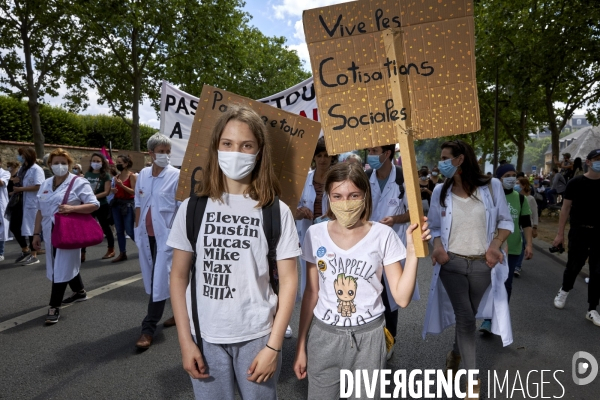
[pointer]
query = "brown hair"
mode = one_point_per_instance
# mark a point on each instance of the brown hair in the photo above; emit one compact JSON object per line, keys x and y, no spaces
{"x":60,"y":153}
{"x":264,"y":185}
{"x":103,"y":168}
{"x":525,"y":185}
{"x":125,"y":159}
{"x":354,"y":173}
{"x":29,"y":156}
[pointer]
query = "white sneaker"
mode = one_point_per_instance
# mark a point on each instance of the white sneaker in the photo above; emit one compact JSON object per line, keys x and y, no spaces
{"x":288,"y":332}
{"x":587,"y":280}
{"x":593,"y":316}
{"x":560,"y":299}
{"x":390,"y":353}
{"x":1,"y":258}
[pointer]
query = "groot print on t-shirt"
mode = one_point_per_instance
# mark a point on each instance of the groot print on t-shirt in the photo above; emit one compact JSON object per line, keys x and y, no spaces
{"x":345,"y":290}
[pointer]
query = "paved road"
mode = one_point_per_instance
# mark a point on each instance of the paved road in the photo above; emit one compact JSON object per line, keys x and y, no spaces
{"x":90,"y":353}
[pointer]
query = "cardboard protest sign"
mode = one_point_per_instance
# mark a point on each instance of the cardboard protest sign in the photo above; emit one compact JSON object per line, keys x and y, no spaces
{"x":353,"y":71}
{"x":293,"y":140}
{"x":178,"y":108}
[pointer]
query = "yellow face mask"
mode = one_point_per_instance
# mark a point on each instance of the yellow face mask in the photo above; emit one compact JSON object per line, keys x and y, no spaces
{"x":347,"y":212}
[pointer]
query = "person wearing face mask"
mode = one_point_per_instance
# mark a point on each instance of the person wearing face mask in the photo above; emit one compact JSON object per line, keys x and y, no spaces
{"x":469,"y":220}
{"x":526,"y":191}
{"x":77,"y":170}
{"x":242,"y":324}
{"x":581,"y":206}
{"x":426,"y":186}
{"x":62,"y":266}
{"x":99,"y":179}
{"x":122,"y":205}
{"x":343,"y":307}
{"x":313,"y":202}
{"x":521,"y":216}
{"x":27,"y":182}
{"x":435,"y":176}
{"x":4,"y":223}
{"x":389,"y":208}
{"x":155,"y":208}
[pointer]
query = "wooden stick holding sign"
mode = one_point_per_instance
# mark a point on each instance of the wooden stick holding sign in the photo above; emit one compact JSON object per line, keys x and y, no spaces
{"x":394,"y":49}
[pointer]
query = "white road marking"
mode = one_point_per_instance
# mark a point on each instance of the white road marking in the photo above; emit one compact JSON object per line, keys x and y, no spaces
{"x":30,"y":316}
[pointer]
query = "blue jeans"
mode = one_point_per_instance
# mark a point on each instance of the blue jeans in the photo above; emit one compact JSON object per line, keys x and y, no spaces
{"x":512,"y":263}
{"x":123,"y":223}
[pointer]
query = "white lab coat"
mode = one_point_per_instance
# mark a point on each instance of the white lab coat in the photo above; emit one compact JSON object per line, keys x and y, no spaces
{"x":157,"y":193}
{"x":5,"y":178}
{"x":307,"y":200}
{"x":64,"y":266}
{"x":387,"y":203}
{"x":33,"y":176}
{"x":494,"y":304}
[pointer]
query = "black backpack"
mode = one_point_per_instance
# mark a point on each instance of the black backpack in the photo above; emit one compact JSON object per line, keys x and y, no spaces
{"x":399,"y":179}
{"x":271,"y":227}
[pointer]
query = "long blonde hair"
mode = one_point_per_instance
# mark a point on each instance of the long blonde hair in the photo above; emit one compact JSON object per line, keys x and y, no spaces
{"x":264,"y":185}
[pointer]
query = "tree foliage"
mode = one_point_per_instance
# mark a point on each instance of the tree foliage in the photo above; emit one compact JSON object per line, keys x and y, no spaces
{"x":548,"y":57}
{"x":32,"y":54}
{"x":133,"y":45}
{"x":65,"y":128}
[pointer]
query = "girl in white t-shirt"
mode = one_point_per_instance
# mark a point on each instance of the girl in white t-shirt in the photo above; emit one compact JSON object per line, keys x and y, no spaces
{"x":345,"y":260}
{"x":242,"y":321}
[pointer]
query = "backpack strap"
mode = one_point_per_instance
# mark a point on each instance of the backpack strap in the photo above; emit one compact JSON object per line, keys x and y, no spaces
{"x":521,"y":200}
{"x":399,"y":179}
{"x":272,"y":228}
{"x":195,"y":212}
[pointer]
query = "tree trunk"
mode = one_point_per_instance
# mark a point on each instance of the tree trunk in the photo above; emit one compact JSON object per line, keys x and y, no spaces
{"x":36,"y":125}
{"x":32,"y":92}
{"x":521,"y":140}
{"x":553,"y":127}
{"x":135,"y":116}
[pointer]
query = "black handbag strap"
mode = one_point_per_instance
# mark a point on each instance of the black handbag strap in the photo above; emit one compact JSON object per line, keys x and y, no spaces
{"x":195,"y":212}
{"x":66,"y":198}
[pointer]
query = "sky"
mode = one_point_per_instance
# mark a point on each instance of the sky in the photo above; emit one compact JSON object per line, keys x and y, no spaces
{"x":271,"y":17}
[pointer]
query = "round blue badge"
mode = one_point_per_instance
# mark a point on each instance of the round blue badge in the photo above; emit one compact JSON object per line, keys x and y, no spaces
{"x":321,"y":251}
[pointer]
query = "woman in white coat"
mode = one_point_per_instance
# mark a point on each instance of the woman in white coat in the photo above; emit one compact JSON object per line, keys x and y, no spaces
{"x":4,"y":180}
{"x":155,"y":208}
{"x":314,"y":202}
{"x":27,"y":182}
{"x":62,"y":266}
{"x":465,"y":212}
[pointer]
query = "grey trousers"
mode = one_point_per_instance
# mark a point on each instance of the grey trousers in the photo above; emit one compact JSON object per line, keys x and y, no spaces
{"x":466,"y":282}
{"x":332,"y":348}
{"x":227,"y":365}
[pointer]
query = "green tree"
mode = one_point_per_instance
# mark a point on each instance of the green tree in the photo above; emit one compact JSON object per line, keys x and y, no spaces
{"x":503,"y":59}
{"x":133,"y":45}
{"x":32,"y":57}
{"x":552,"y":49}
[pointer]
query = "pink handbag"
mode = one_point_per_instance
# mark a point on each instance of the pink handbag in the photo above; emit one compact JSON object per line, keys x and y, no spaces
{"x":74,"y":231}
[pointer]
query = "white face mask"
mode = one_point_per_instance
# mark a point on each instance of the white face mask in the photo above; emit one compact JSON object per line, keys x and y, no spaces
{"x":60,"y":169}
{"x":96,"y":165}
{"x":236,"y":165}
{"x":162,"y":160}
{"x":509,"y":182}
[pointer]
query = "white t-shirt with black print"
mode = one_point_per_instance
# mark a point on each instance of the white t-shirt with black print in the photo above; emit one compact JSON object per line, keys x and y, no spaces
{"x":235,"y":300}
{"x":350,"y":280}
